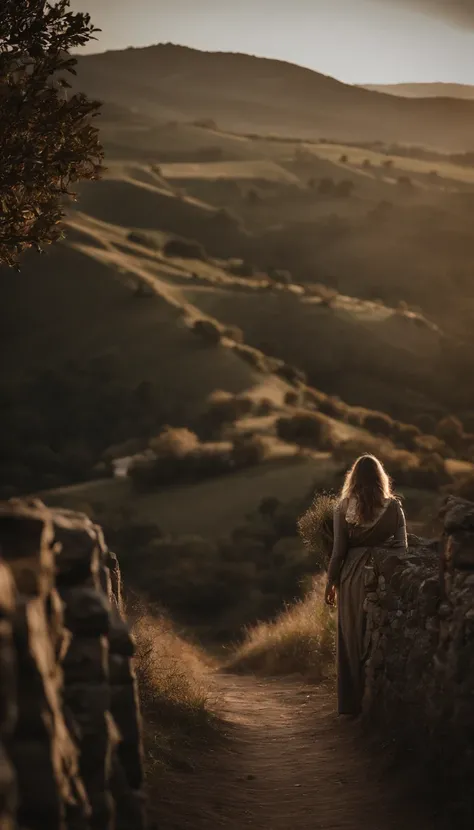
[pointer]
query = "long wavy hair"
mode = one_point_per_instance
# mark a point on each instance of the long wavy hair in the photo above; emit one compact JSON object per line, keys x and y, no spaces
{"x":369,"y":486}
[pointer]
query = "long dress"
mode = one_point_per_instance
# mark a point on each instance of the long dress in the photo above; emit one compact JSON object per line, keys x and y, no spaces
{"x":352,"y":552}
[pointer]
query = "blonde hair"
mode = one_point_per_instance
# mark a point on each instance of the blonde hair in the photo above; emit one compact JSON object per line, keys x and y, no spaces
{"x":368,"y":485}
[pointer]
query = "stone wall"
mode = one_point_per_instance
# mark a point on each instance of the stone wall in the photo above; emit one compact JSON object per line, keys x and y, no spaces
{"x":70,"y":743}
{"x":420,"y":666}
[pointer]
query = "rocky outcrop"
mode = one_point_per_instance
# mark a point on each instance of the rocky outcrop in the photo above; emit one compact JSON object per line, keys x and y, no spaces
{"x":70,"y":752}
{"x":420,"y":647}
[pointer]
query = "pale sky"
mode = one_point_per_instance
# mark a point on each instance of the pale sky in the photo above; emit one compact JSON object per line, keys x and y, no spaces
{"x":357,"y":41}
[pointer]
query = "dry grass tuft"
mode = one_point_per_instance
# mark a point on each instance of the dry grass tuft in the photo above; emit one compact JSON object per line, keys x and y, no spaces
{"x":316,"y":529}
{"x":301,"y":640}
{"x":176,"y":694}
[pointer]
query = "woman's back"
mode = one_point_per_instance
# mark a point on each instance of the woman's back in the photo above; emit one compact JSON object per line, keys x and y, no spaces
{"x":387,"y":522}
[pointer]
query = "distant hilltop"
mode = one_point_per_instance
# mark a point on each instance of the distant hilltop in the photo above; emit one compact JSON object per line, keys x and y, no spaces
{"x":433,"y":90}
{"x":243,"y":93}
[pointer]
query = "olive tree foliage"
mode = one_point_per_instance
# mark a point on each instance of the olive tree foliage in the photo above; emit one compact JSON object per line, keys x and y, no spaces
{"x":47,"y":137}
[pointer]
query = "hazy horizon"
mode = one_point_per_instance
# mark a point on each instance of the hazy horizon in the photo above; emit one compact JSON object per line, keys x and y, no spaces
{"x":356,"y":41}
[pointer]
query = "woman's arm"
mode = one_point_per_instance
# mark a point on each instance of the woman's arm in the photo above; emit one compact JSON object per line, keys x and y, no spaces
{"x":339,"y":549}
{"x":400,"y":535}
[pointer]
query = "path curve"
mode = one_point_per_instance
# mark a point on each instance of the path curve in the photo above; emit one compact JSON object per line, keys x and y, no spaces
{"x":291,"y":764}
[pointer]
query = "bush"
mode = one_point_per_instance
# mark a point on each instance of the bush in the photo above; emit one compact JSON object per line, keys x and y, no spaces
{"x":208,"y":331}
{"x":225,"y":408}
{"x":234,"y":333}
{"x":300,"y":641}
{"x":451,"y":431}
{"x":292,"y":398}
{"x":316,"y":528}
{"x":184,"y":249}
{"x":426,"y":423}
{"x":388,"y":164}
{"x":326,"y":187}
{"x":378,"y":423}
{"x":405,"y":181}
{"x":281,"y":277}
{"x":175,"y":442}
{"x":345,"y":188}
{"x":344,"y":159}
{"x":253,"y":357}
{"x":205,"y":123}
{"x":406,"y":435}
{"x":241,"y":268}
{"x":291,"y":374}
{"x":248,"y":451}
{"x":307,"y":429}
{"x":146,"y":240}
{"x":367,"y":164}
{"x":429,"y":444}
{"x":179,"y":458}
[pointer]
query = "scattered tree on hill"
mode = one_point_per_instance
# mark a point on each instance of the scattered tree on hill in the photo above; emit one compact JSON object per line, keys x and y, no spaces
{"x":326,"y":187}
{"x":367,"y":164}
{"x":344,"y":159}
{"x":388,"y":164}
{"x":345,"y":188}
{"x":47,"y":141}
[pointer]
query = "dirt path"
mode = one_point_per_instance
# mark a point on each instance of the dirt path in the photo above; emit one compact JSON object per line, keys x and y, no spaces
{"x":291,"y":764}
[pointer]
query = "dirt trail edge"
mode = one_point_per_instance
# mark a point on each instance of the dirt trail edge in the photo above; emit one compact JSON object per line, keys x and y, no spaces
{"x":293,"y":765}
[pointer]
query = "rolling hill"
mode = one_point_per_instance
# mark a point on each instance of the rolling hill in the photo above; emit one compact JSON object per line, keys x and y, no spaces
{"x":433,"y":90}
{"x":243,"y":93}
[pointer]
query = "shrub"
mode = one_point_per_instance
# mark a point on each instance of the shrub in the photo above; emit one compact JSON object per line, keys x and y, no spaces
{"x":225,"y":408}
{"x":451,"y":430}
{"x":366,"y":164}
{"x":406,"y":435}
{"x":345,"y":188}
{"x":46,"y":143}
{"x":241,"y":268}
{"x":184,"y":249}
{"x":332,"y":406}
{"x":205,"y":123}
{"x":300,"y":641}
{"x":146,"y":240}
{"x":426,"y":423}
{"x":291,"y":374}
{"x":264,"y":407}
{"x":307,"y":429}
{"x":344,"y":159}
{"x":378,"y":423}
{"x":252,"y":356}
{"x":248,"y":451}
{"x":316,"y":528}
{"x":326,"y":187}
{"x":281,"y":277}
{"x":405,"y":181}
{"x":388,"y":164}
{"x":429,"y":444}
{"x":292,"y":398}
{"x":208,"y":331}
{"x":176,"y":442}
{"x":234,"y":333}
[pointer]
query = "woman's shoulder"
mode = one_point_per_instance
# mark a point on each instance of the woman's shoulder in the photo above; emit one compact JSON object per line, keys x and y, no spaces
{"x":396,"y":501}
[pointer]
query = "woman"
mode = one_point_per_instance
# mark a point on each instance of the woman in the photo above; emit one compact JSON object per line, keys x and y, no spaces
{"x":366,"y":516}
